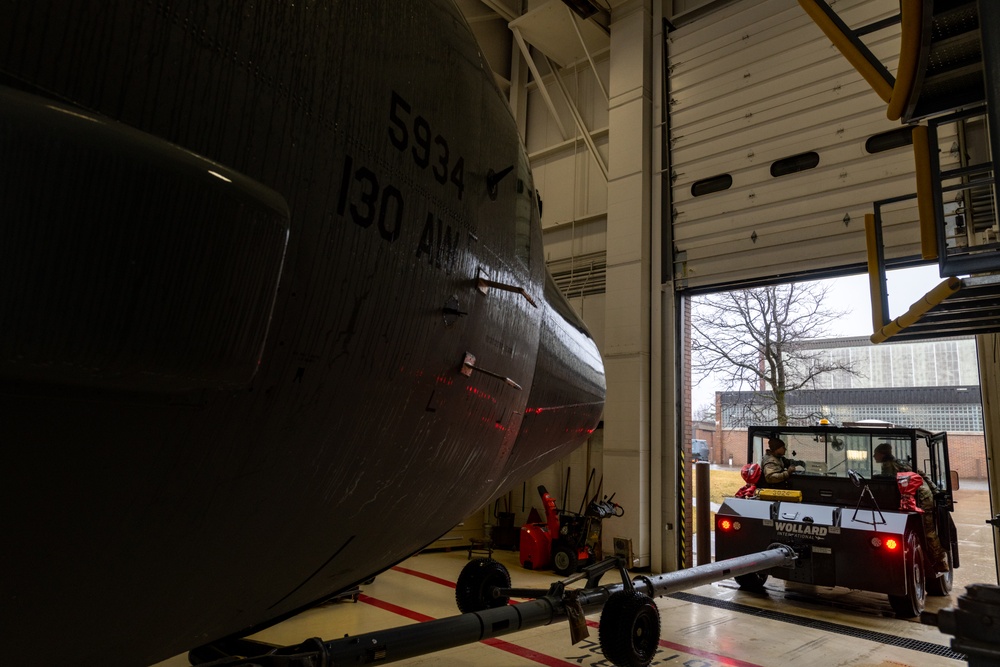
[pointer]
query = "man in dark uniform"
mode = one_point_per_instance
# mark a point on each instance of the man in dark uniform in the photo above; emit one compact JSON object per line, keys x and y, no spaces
{"x":776,"y":467}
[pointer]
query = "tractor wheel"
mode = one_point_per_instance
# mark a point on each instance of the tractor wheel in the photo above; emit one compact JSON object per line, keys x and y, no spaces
{"x":564,"y":560}
{"x":630,"y":629}
{"x":475,"y":590}
{"x":912,"y":603}
{"x":752,"y":582}
{"x":940,"y":583}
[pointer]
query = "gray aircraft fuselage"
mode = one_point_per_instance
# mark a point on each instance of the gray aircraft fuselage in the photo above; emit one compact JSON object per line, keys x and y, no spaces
{"x":274,"y":312}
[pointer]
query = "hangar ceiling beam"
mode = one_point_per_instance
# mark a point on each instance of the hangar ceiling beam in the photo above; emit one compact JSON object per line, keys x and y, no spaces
{"x":526,"y":52}
{"x":580,"y":124}
{"x":590,"y":57}
{"x":500,"y":9}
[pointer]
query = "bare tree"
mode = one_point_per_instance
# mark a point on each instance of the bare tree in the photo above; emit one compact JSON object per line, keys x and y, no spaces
{"x":704,"y":413}
{"x":752,"y":338}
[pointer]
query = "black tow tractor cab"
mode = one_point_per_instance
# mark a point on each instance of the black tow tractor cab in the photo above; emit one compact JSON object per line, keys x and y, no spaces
{"x":844,"y":514}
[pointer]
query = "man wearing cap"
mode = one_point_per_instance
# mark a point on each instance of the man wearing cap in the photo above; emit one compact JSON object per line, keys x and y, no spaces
{"x":776,"y":466}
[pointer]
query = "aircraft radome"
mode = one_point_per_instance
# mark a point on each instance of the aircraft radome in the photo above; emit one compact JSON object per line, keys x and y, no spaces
{"x":275,"y":312}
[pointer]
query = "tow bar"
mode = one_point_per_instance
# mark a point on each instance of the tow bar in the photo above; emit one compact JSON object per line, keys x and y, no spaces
{"x":629,"y":628}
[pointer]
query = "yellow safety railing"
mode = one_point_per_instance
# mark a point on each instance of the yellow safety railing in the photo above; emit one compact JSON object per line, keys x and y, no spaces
{"x":894,"y":92}
{"x":911,"y":29}
{"x":877,"y":288}
{"x":925,"y":193}
{"x":874,"y":272}
{"x":944,"y":289}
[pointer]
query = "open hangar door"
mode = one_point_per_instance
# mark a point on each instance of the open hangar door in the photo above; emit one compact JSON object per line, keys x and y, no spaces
{"x":769,"y":174}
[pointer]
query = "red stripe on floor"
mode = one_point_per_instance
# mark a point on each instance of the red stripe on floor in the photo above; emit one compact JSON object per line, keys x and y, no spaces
{"x":514,"y":649}
{"x":428,"y":577}
{"x":540,"y":658}
{"x":396,"y":609}
{"x":527,"y":653}
{"x":725,"y":660}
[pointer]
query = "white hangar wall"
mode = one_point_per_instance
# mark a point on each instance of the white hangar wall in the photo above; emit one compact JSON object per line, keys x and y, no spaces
{"x":573,"y":188}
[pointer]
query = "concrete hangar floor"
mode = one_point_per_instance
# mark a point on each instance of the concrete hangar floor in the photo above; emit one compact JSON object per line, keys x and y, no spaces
{"x":713,"y":624}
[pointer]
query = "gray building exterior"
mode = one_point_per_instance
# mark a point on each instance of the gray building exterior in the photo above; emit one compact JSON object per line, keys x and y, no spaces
{"x":931,"y":384}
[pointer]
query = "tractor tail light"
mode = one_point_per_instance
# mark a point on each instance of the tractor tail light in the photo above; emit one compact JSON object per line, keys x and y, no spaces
{"x":889,"y":543}
{"x":726,"y":524}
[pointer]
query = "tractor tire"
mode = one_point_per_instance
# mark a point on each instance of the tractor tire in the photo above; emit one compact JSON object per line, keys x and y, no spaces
{"x":752,"y":582}
{"x":940,"y":583}
{"x":630,"y":629}
{"x":477,"y":583}
{"x":912,"y":602}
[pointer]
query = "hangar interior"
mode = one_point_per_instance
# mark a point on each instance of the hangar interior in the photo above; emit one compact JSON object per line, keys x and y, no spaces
{"x":682,"y":147}
{"x":654,"y":130}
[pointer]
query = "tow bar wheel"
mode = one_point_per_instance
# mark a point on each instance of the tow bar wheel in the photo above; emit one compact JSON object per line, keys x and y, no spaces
{"x":630,"y":629}
{"x":475,"y":588}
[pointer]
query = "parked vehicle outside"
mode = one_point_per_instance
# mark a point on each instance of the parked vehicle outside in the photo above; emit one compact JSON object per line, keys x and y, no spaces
{"x":699,"y":450}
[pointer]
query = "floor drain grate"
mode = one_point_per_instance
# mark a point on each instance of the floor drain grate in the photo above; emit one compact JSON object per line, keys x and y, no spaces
{"x":825,"y":626}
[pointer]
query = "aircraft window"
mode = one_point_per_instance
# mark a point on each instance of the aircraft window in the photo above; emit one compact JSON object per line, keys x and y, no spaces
{"x":886,"y":141}
{"x":795,"y":163}
{"x":707,"y":186}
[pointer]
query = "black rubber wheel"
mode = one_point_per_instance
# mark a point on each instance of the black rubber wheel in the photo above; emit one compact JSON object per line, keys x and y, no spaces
{"x":630,"y":629}
{"x":476,"y":584}
{"x":912,"y":603}
{"x":564,"y":560}
{"x":940,"y":584}
{"x":752,"y":582}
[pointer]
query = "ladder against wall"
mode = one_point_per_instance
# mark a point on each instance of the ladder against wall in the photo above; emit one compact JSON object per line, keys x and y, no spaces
{"x":947,"y":84}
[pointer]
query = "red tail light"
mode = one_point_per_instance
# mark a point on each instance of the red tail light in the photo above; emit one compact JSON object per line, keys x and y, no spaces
{"x":890,"y":543}
{"x":727,"y":524}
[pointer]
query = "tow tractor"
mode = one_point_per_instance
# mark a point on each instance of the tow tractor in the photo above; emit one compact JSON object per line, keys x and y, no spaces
{"x":848,"y":522}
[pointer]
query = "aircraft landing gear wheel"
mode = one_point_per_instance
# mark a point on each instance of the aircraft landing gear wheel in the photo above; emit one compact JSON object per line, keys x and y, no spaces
{"x":912,"y":603}
{"x":752,"y":582}
{"x":630,"y":629}
{"x":564,"y":561}
{"x":474,"y":590}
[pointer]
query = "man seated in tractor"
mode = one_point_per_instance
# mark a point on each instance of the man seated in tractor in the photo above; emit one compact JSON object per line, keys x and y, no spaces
{"x":777,"y":468}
